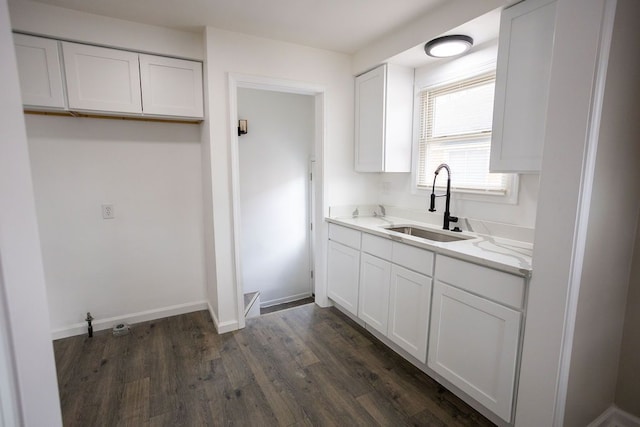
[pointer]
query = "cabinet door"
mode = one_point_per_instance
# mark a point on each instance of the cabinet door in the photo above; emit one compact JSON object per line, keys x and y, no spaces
{"x":373,"y":307}
{"x":370,"y":120}
{"x":343,"y":265}
{"x":474,"y":344}
{"x":409,"y":304}
{"x":40,"y":72}
{"x":102,"y":79}
{"x":522,"y":86}
{"x":171,"y":87}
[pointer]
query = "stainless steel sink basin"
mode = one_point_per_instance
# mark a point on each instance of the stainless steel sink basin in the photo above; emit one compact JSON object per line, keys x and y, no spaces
{"x":423,"y":233}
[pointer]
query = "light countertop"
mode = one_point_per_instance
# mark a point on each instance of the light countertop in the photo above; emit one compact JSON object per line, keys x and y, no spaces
{"x":501,"y":254}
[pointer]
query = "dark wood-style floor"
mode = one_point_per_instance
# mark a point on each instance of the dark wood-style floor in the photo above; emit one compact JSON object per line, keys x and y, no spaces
{"x":302,"y":366}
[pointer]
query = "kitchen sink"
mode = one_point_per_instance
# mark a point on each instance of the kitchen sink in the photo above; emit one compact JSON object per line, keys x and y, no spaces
{"x":423,"y":233}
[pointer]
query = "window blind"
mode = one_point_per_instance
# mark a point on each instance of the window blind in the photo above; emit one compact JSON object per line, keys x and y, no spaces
{"x":455,"y":128}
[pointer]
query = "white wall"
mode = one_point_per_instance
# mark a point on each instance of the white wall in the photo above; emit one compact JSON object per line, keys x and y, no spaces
{"x":274,"y":194}
{"x":228,"y":52}
{"x":449,"y":14}
{"x":149,"y":261}
{"x":398,"y":189}
{"x":150,"y":256}
{"x":628,"y":385}
{"x":30,"y":393}
{"x":557,"y":241}
{"x":57,"y":22}
{"x":615,"y":199}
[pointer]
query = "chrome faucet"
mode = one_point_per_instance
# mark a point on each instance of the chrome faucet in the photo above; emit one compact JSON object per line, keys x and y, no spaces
{"x":432,"y":207}
{"x":383,"y":212}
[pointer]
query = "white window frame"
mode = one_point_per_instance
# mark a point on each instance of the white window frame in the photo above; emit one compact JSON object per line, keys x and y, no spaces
{"x":513,"y":183}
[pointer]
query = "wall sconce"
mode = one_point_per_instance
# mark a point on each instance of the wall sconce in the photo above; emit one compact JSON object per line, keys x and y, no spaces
{"x":242,"y":127}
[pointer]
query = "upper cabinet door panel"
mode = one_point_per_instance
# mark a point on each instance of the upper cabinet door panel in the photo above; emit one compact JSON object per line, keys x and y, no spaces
{"x":522,"y":86}
{"x":102,"y":79}
{"x":370,"y":120}
{"x":40,"y":72}
{"x":171,"y":87}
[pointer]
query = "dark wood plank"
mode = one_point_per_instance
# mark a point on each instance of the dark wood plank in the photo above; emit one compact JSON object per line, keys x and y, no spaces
{"x":304,"y":366}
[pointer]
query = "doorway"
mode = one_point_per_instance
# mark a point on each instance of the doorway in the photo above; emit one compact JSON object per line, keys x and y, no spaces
{"x":275,"y":159}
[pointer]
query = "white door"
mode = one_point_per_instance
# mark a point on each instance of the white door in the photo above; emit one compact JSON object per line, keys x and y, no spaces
{"x":474,"y":344}
{"x":275,"y":194}
{"x":375,"y":277}
{"x":343,"y":270}
{"x":370,"y":120}
{"x":171,"y":87}
{"x":409,"y":304}
{"x":102,"y":79}
{"x":40,"y":71}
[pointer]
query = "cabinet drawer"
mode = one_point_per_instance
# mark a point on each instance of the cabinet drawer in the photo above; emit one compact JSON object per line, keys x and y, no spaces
{"x":413,"y":258}
{"x":344,"y":235}
{"x":377,"y":246}
{"x":496,"y":285}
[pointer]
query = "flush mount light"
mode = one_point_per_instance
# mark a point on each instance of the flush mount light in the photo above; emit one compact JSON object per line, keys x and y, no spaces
{"x":446,"y":46}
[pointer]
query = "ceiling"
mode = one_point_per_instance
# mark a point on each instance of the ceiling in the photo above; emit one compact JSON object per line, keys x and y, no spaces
{"x":338,"y":25}
{"x":483,"y":30}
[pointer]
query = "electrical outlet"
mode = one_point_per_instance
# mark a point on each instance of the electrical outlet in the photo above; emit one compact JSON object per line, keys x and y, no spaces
{"x":108,"y":212}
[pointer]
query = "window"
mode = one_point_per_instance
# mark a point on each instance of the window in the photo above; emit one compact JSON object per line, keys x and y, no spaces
{"x":455,"y":128}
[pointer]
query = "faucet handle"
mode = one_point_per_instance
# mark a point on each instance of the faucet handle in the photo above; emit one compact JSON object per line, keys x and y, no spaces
{"x":453,"y":218}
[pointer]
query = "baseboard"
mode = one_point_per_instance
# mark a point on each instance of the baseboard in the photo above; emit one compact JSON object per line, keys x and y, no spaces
{"x":265,"y":304}
{"x":615,"y":417}
{"x":224,"y":327}
{"x":132,"y":318}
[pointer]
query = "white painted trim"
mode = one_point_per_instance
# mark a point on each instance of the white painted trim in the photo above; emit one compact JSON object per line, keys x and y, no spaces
{"x":285,"y":299}
{"x":224,"y":327}
{"x":584,"y":203}
{"x":131,"y":318}
{"x":9,"y":396}
{"x":236,"y":81}
{"x":615,"y":417}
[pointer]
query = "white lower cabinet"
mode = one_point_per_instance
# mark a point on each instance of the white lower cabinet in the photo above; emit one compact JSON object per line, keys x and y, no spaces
{"x":409,"y":302}
{"x":343,"y":274}
{"x":460,"y":319}
{"x":474,"y":345}
{"x":375,"y":279}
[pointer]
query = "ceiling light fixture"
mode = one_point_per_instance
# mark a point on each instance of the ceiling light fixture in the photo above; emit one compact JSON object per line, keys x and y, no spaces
{"x":447,"y":46}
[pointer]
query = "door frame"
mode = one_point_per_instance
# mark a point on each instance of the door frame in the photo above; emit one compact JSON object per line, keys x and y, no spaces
{"x":245,"y":81}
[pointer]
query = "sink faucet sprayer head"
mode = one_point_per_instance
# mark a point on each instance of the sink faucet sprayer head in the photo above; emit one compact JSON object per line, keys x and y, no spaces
{"x":432,"y":205}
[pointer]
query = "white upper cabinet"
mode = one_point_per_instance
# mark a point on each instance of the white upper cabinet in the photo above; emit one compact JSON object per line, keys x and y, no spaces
{"x":171,"y":87}
{"x":383,"y":119}
{"x":40,"y":72}
{"x":102,"y":79}
{"x":522,"y":86}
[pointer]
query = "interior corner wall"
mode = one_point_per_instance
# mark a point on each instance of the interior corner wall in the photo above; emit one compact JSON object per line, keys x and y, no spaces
{"x":398,"y":189}
{"x":447,"y":15}
{"x":228,"y":52}
{"x":148,"y":261}
{"x":149,"y":258}
{"x":610,"y":235}
{"x":57,"y":22}
{"x":627,"y":31}
{"x":575,"y":57}
{"x":24,"y":313}
{"x":628,"y":385}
